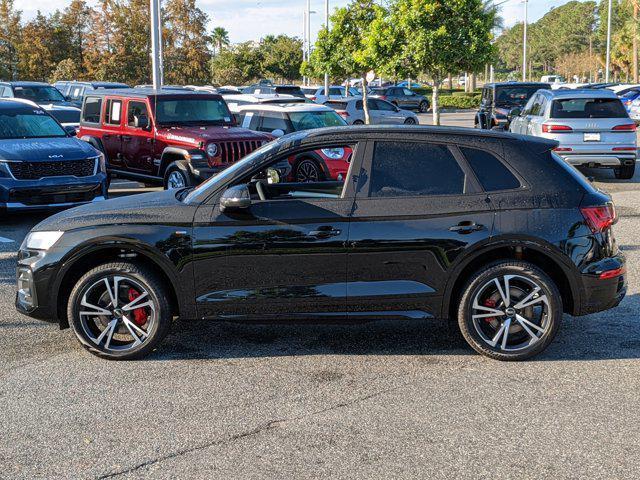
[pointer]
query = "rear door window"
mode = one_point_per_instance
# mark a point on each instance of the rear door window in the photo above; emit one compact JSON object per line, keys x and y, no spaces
{"x":113,"y":114}
{"x":415,"y":169}
{"x":273,"y":121}
{"x":588,"y":108}
{"x":491,"y":172}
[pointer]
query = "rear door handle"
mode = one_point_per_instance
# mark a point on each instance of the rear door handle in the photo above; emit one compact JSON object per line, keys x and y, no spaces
{"x":466,"y":227}
{"x":325,"y":231}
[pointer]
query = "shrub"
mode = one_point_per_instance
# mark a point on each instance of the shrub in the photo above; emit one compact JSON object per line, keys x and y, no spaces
{"x":459,"y":101}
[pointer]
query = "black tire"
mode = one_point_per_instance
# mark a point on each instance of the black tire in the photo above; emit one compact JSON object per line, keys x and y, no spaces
{"x":423,"y":107}
{"x":137,"y":275}
{"x":625,"y":172}
{"x":174,"y":169}
{"x":307,"y":170}
{"x":409,"y":121}
{"x":358,"y":122}
{"x":480,"y":282}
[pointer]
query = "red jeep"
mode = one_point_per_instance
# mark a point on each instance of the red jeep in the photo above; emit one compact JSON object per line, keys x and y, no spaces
{"x":172,"y":138}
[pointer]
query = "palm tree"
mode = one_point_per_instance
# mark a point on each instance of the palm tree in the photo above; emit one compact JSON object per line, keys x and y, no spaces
{"x":220,"y":38}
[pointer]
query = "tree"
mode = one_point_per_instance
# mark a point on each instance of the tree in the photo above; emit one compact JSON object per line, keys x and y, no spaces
{"x":220,"y":38}
{"x":10,"y":37}
{"x":71,"y":33}
{"x":349,"y":47}
{"x":34,"y":51}
{"x":237,"y":65}
{"x":280,"y":57}
{"x":66,"y":69}
{"x":439,"y":36}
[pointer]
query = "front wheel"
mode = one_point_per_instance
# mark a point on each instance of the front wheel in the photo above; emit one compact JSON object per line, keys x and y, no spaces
{"x":510,"y":310}
{"x":175,"y":177}
{"x":625,"y":172}
{"x":423,"y":107}
{"x":119,"y":311}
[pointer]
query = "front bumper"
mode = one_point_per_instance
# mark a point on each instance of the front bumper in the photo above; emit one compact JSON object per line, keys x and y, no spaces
{"x":51,"y":192}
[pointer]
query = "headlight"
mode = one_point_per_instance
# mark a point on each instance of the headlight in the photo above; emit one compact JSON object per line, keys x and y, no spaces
{"x":4,"y":170}
{"x":212,"y":150}
{"x":100,"y":164}
{"x":333,"y":153}
{"x":40,"y":240}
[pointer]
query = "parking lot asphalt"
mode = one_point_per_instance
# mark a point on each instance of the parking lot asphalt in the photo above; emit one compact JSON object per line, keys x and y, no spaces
{"x":380,"y":400}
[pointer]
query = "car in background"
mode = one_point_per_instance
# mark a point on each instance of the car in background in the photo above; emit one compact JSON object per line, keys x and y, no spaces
{"x":310,"y":91}
{"x":499,"y":99}
{"x":402,"y":97}
{"x":42,"y":165}
{"x":381,"y":112}
{"x":69,"y":117}
{"x":592,"y":127}
{"x":234,"y":101}
{"x":628,"y":98}
{"x":489,"y":230}
{"x":75,"y":91}
{"x":174,"y":138}
{"x":38,"y":92}
{"x":282,"y":118}
{"x":335,"y":93}
{"x":622,"y":88}
{"x":292,"y":90}
{"x":634,"y":110}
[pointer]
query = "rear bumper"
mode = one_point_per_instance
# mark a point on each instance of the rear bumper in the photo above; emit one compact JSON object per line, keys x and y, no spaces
{"x":600,"y":294}
{"x":599,"y":159}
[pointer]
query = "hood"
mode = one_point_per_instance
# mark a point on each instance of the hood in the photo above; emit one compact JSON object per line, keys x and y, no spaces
{"x":194,"y":134}
{"x":45,"y":149}
{"x":146,"y":208}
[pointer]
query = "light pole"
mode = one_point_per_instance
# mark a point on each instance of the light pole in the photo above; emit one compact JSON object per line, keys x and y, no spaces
{"x":524,"y":48}
{"x":156,"y":44}
{"x":304,"y":41}
{"x":606,"y":74}
{"x":326,"y":25}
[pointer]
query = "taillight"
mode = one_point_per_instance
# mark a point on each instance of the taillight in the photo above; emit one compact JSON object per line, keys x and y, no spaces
{"x":624,"y":149}
{"x":547,"y":128}
{"x":625,"y":127}
{"x":599,"y":218}
{"x":612,"y":273}
{"x":313,"y":98}
{"x":382,"y":97}
{"x":563,"y":149}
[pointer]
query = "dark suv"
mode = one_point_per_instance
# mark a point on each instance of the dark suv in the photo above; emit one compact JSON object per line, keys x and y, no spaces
{"x":42,"y":165}
{"x":169,"y":137}
{"x":37,"y":92}
{"x":492,"y":230}
{"x":500,"y":99}
{"x":402,"y":97}
{"x":75,"y":91}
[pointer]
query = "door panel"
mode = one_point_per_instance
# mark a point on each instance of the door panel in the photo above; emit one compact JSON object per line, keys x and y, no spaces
{"x":137,"y":144}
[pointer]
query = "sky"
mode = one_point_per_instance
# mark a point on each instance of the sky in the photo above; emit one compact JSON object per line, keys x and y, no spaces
{"x":253,"y":19}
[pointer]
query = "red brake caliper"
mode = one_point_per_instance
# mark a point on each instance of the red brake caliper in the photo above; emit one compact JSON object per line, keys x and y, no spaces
{"x":139,"y":315}
{"x":491,"y":304}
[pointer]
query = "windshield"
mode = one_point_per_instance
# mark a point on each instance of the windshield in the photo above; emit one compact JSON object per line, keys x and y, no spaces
{"x":309,"y":120}
{"x":192,"y":111}
{"x":514,"y":96}
{"x":39,"y":94}
{"x":21,"y":123}
{"x":588,"y":108}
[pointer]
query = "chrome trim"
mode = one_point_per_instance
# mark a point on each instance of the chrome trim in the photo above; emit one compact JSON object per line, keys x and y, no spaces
{"x":23,"y":206}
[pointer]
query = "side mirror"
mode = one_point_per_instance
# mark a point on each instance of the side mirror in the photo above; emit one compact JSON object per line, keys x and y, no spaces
{"x":278,"y":132}
{"x":235,"y":198}
{"x":515,"y":112}
{"x":71,"y":130}
{"x":141,"y":121}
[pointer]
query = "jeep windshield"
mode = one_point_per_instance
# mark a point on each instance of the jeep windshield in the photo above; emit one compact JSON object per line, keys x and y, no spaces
{"x":192,"y":111}
{"x":39,"y":94}
{"x":514,"y":96}
{"x":28,"y":123}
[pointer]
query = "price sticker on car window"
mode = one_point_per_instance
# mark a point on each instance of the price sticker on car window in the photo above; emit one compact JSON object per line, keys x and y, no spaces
{"x":592,"y":136}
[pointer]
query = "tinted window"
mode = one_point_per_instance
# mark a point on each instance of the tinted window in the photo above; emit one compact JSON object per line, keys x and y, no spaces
{"x":493,"y":175}
{"x":409,"y":169}
{"x":588,"y":108}
{"x":192,"y":111}
{"x":91,"y":110}
{"x":337,"y":105}
{"x":39,"y":94}
{"x":136,"y":109}
{"x":514,"y":96}
{"x":274,"y":121}
{"x":382,"y":105}
{"x":309,"y":120}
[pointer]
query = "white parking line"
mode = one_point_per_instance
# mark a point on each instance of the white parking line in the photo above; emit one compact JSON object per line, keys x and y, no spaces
{"x":6,"y":240}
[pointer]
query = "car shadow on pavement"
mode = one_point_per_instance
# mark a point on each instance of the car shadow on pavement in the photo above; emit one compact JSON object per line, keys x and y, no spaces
{"x":611,"y":335}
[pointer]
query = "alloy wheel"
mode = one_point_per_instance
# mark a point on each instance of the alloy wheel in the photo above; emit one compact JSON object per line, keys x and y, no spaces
{"x":117,"y":313}
{"x":176,"y":180}
{"x":511,"y":313}
{"x":307,"y":171}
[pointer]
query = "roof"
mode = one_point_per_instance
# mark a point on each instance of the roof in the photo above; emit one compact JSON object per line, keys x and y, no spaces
{"x":7,"y":103}
{"x":580,"y":93}
{"x":25,"y":84}
{"x":518,"y":84}
{"x":287,"y":107}
{"x":97,"y":84}
{"x":150,"y":92}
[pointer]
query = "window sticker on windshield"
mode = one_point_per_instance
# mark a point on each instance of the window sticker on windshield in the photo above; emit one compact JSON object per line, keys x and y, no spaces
{"x":38,"y":112}
{"x":247,"y":120}
{"x":227,"y":119}
{"x":115,"y":111}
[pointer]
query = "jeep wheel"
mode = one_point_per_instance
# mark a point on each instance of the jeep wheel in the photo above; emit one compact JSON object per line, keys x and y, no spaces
{"x":175,"y":177}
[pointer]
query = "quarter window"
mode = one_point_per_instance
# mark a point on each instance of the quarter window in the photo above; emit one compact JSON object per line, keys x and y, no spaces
{"x":113,"y":114}
{"x":491,"y":172}
{"x":91,"y":110}
{"x":414,"y":169}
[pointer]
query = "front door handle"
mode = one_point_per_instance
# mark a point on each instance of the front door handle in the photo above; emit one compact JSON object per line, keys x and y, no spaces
{"x":466,"y":227}
{"x":325,"y":231}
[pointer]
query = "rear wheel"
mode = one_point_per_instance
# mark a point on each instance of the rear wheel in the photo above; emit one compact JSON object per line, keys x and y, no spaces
{"x":119,"y":311}
{"x":625,"y":172}
{"x":409,"y":121}
{"x":510,"y":311}
{"x":307,"y":170}
{"x":423,"y":107}
{"x":358,"y":122}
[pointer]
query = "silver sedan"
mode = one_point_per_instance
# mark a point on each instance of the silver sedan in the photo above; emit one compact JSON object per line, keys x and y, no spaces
{"x":380,"y":111}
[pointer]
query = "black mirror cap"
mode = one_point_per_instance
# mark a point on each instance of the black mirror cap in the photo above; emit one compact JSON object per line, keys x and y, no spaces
{"x":237,"y":197}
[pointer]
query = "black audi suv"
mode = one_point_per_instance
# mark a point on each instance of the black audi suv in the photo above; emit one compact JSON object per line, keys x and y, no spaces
{"x":491,"y":230}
